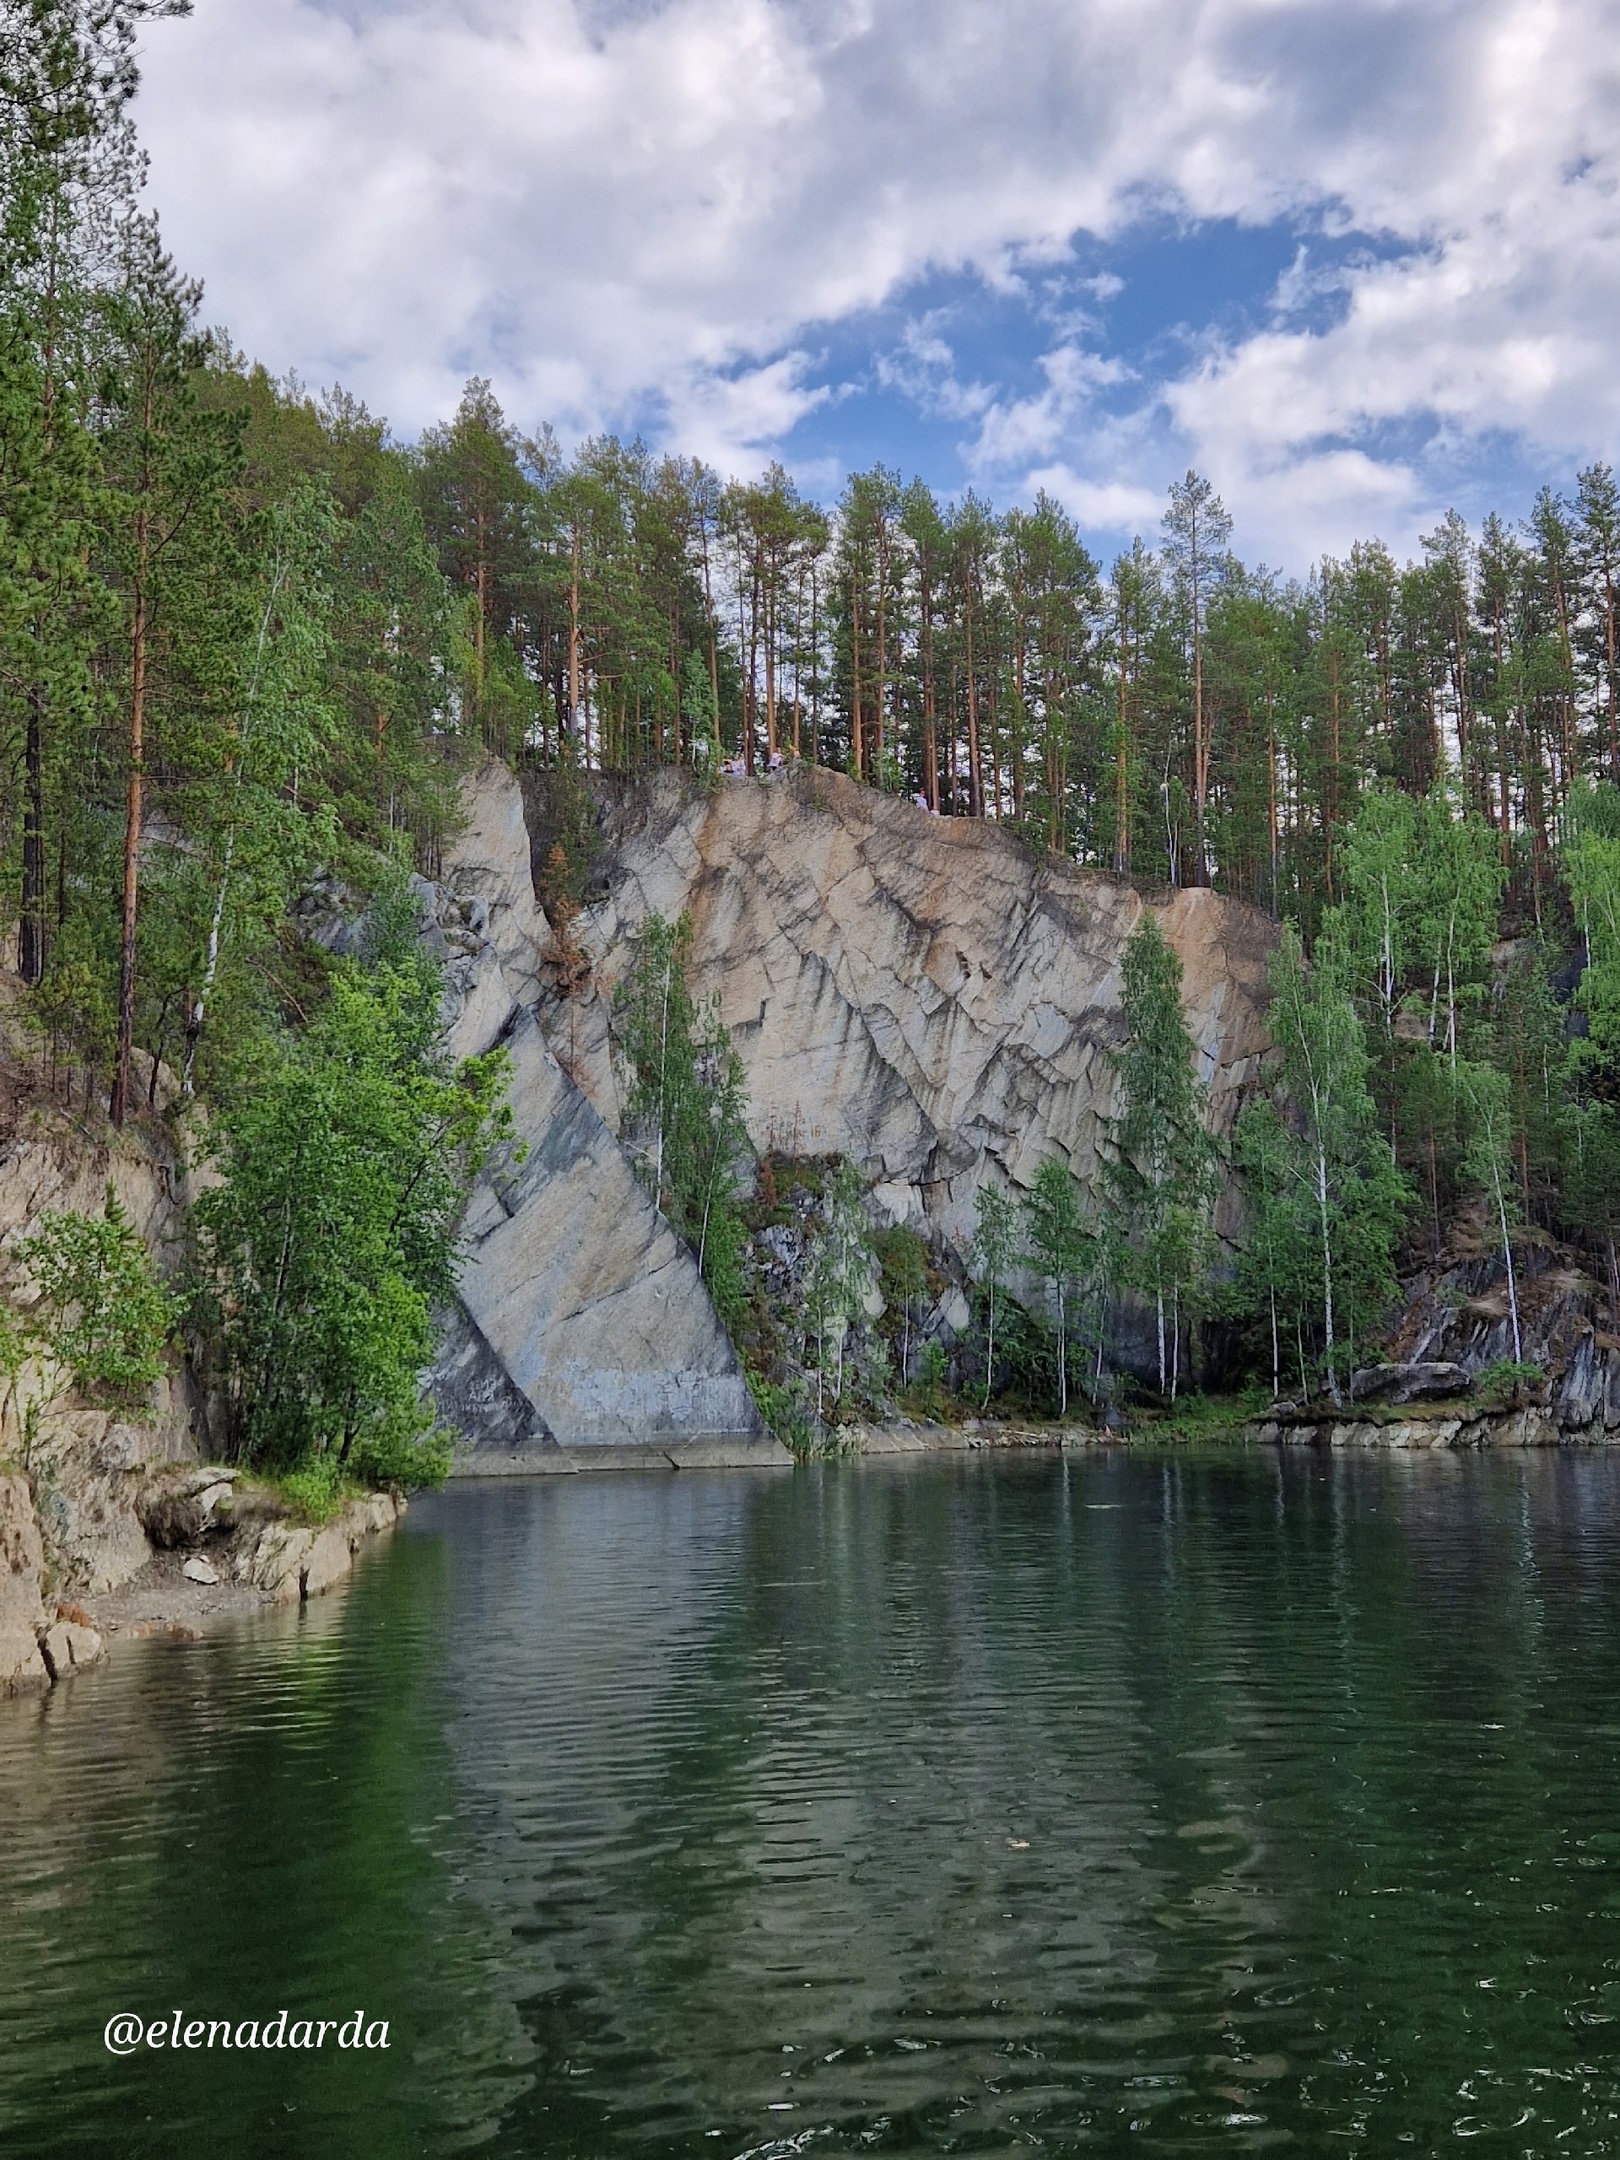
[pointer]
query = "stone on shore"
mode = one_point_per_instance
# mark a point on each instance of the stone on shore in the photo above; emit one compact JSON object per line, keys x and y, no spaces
{"x":68,"y":1648}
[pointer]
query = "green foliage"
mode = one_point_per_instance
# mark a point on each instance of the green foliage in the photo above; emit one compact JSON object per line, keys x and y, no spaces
{"x":780,"y":1408}
{"x":1326,"y":1200}
{"x":1489,"y":1164}
{"x":1062,"y":1248}
{"x":330,"y":1241}
{"x":903,"y":1280}
{"x":1507,"y":1380}
{"x":1159,"y":1179}
{"x":840,"y":1271}
{"x":995,"y":1253}
{"x":685,"y":1110}
{"x":101,"y":1313}
{"x":1592,"y":857}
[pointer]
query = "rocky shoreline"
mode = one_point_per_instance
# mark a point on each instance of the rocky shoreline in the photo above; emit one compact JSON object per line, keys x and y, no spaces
{"x":1459,"y":1426}
{"x":220,"y":1551}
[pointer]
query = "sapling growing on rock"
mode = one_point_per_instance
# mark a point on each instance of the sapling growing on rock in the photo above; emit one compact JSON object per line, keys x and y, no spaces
{"x":995,"y":1252}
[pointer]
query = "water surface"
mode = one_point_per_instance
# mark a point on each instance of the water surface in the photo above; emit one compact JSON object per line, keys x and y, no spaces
{"x":1203,"y":1804}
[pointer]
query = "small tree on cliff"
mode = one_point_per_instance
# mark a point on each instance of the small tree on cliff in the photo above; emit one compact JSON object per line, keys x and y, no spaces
{"x":687,"y":1103}
{"x":1159,"y":1180}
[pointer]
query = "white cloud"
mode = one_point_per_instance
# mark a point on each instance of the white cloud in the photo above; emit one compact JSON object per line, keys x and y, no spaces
{"x":603,"y":203}
{"x":1020,"y":431}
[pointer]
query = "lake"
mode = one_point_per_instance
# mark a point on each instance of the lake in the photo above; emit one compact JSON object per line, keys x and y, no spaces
{"x":1217,"y":1802}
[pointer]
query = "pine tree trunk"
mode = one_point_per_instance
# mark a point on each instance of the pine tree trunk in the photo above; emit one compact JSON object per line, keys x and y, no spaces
{"x":119,"y":1105}
{"x":31,"y":931}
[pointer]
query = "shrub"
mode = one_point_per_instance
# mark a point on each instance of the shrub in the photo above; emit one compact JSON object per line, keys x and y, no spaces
{"x":102,"y":1312}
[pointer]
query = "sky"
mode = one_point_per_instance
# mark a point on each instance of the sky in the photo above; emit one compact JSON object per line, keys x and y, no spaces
{"x":1357,"y":261}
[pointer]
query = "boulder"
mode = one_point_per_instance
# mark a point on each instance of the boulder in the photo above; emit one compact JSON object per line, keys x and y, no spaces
{"x":1408,"y":1383}
{"x":330,"y":1557}
{"x":292,"y":1561}
{"x":68,"y":1648}
{"x":186,"y":1510}
{"x":274,"y":1561}
{"x":201,"y":1571}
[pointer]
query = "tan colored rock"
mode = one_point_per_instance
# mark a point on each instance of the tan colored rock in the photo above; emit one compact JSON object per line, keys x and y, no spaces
{"x":727,"y":1451}
{"x":68,"y":1648}
{"x":91,"y":1469}
{"x":329,"y":1559}
{"x":290,"y":1561}
{"x":274,"y":1563}
{"x":22,"y":1614}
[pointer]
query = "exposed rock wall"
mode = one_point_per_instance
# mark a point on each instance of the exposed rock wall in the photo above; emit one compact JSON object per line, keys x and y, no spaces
{"x":88,"y":1466}
{"x":584,"y":1320}
{"x":22,"y":1611}
{"x":927,"y":995}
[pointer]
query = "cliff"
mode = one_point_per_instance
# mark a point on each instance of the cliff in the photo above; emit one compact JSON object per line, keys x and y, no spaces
{"x":928,"y":997}
{"x":582,"y":1323}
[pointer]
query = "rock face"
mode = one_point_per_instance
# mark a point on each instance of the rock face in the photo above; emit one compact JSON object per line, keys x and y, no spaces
{"x":1461,"y":1316}
{"x":290,"y":1562}
{"x":924,"y":994}
{"x":22,"y":1615}
{"x":88,"y":1465}
{"x":584,"y":1322}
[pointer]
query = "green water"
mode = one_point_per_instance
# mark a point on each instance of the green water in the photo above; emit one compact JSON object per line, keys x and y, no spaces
{"x":1216,"y":1804}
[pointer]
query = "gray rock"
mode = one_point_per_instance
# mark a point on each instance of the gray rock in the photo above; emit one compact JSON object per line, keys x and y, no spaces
{"x":954,"y":1314}
{"x":591,"y":1304}
{"x":1408,"y":1383}
{"x":201,"y":1571}
{"x":583,"y":1320}
{"x":927,"y":995}
{"x":188,"y":1510}
{"x":730,"y":1451}
{"x":68,"y":1648}
{"x":1580,"y":1398}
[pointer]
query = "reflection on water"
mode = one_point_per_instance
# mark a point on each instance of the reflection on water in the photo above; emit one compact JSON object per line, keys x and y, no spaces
{"x":927,"y":1807}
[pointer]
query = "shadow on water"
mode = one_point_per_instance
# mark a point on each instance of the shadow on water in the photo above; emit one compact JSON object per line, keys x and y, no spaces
{"x":1229,"y":1801}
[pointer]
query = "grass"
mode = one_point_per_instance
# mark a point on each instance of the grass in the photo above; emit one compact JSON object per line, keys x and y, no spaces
{"x":315,"y":1492}
{"x":1200,"y":1417}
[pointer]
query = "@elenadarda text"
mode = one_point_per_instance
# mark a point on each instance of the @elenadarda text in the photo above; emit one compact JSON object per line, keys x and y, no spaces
{"x":126,"y":2031}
